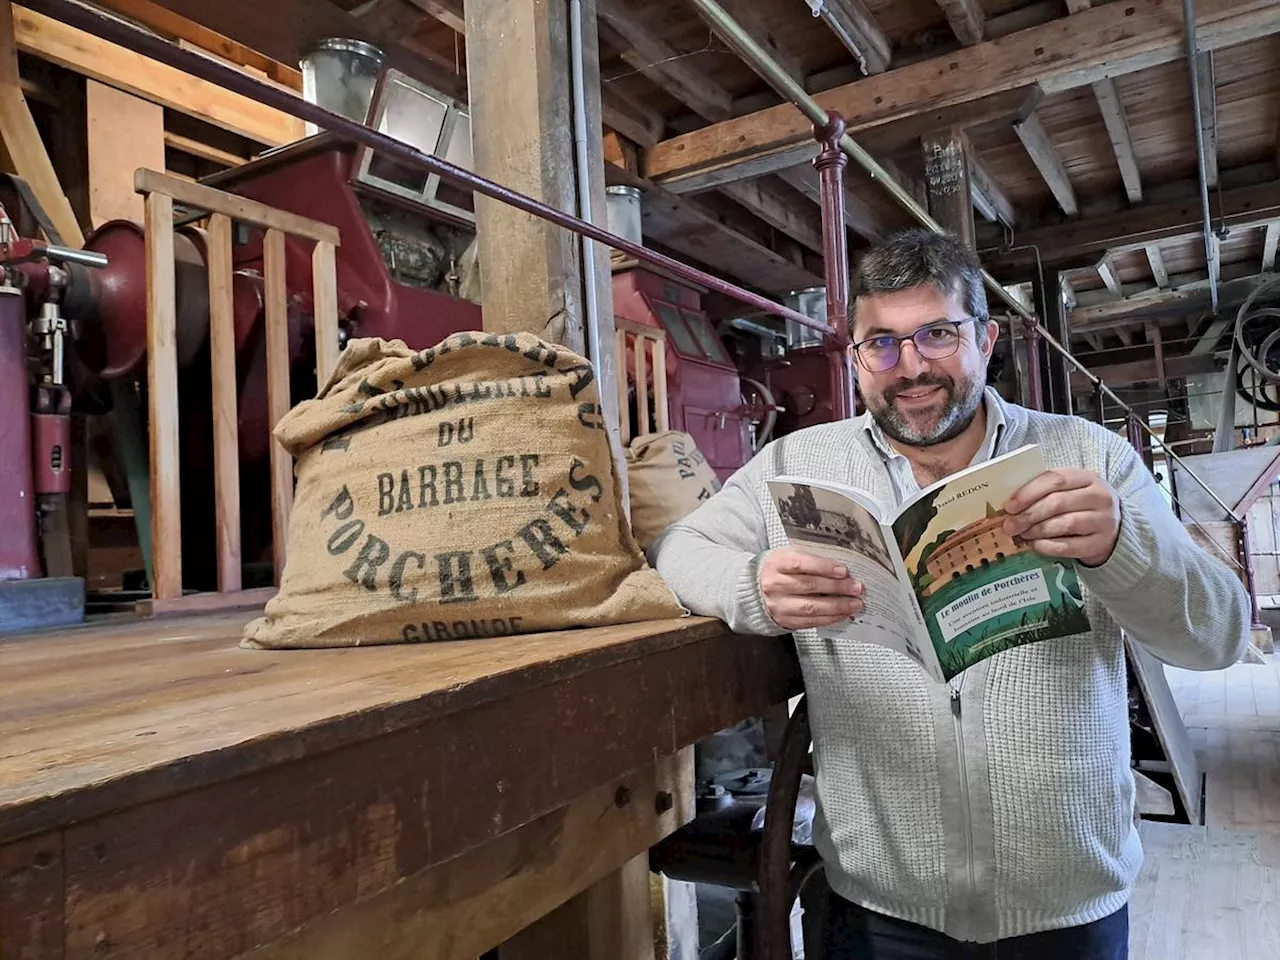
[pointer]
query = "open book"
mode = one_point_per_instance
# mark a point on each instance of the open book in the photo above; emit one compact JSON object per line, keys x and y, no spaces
{"x":943,"y":582}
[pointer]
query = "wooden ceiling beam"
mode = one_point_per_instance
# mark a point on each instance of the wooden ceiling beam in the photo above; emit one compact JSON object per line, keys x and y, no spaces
{"x":967,"y":18}
{"x":448,"y":12}
{"x":1158,"y":272}
{"x":769,"y":201}
{"x":1063,"y":54}
{"x":1190,"y":298}
{"x":1137,"y":227}
{"x":856,"y":27}
{"x":133,"y":73}
{"x":988,"y":197}
{"x":684,"y":226}
{"x":652,"y":56}
{"x":859,"y":216}
{"x":1270,"y":240}
{"x":1144,"y":371}
{"x":1113,"y":118}
{"x":1041,"y":150}
{"x":748,"y":15}
{"x":1109,"y":278}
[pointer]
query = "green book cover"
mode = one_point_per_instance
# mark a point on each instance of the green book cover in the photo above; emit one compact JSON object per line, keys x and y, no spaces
{"x":944,"y":584}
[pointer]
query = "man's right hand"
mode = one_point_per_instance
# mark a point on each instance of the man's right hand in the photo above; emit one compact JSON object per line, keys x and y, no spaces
{"x":802,"y":591}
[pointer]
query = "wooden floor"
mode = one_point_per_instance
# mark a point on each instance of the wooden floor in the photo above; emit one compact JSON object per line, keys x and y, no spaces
{"x":1213,"y":892}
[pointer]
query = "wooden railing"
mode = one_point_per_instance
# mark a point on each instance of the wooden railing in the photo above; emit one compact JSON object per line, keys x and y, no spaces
{"x":162,"y":373}
{"x":647,"y":341}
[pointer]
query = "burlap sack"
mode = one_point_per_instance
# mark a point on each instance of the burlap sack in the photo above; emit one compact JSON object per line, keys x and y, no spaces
{"x":669,"y":478}
{"x":457,"y":492}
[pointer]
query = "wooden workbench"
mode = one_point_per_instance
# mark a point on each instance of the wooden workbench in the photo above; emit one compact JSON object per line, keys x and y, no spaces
{"x":165,"y":794}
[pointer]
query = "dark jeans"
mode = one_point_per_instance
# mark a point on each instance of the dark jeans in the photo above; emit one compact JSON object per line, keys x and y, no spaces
{"x":854,"y":933}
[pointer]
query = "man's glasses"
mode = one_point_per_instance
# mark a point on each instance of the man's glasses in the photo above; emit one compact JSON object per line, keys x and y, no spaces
{"x":934,"y":341}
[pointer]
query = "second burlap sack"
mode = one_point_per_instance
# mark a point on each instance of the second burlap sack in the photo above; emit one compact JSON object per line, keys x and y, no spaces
{"x":457,"y":492}
{"x":669,"y":478}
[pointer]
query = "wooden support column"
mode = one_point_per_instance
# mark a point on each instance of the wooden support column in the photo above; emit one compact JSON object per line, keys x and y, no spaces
{"x":1048,"y":299}
{"x":947,"y":174}
{"x":521,"y":98}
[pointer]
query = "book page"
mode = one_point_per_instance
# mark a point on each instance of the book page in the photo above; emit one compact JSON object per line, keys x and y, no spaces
{"x":980,"y":590}
{"x":824,"y":523}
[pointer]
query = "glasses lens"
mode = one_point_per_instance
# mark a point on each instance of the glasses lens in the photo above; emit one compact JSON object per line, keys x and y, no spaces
{"x":879,"y":354}
{"x":937,"y":341}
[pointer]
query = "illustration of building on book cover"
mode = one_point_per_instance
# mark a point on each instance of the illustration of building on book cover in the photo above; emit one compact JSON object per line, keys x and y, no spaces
{"x":944,"y":583}
{"x":981,"y":590}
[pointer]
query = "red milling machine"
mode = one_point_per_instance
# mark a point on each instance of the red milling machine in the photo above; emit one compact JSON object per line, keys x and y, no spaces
{"x":73,"y":334}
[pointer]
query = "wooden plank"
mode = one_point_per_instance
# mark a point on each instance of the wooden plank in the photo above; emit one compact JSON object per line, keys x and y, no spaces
{"x":642,"y":50}
{"x":758,"y":21}
{"x":1270,"y":241}
{"x":612,"y":920}
{"x":1152,"y":799}
{"x":226,"y":447}
{"x":1109,"y":40}
{"x":461,"y":908}
{"x":1117,"y":125}
{"x":448,"y":12}
{"x":1108,"y":276}
{"x":967,"y":19}
{"x":325,"y":299}
{"x":1208,"y":115}
{"x":170,"y":25}
{"x":162,"y":399}
{"x":198,"y":603}
{"x":661,"y":402}
{"x":22,"y":143}
{"x":640,"y":355}
{"x":620,"y":360}
{"x":1041,"y":150}
{"x":1205,"y":892}
{"x":124,"y":133}
{"x":276,"y":320}
{"x":238,"y":208}
{"x":1158,"y":272}
{"x":772,"y":205}
{"x":108,"y":63}
{"x":32,"y":894}
{"x":202,"y":150}
{"x":421,"y":780}
{"x":634,"y":120}
{"x":1135,"y":228}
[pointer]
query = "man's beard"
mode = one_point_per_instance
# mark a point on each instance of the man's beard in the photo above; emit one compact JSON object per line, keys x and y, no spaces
{"x":957,"y":412}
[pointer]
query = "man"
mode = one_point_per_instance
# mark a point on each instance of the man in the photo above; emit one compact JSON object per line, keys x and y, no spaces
{"x":992,"y":817}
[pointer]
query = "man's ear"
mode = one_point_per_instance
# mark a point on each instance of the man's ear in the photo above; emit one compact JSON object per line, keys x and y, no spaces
{"x":993,"y":333}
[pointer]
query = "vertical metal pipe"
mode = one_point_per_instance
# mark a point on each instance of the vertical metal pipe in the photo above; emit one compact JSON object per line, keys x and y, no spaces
{"x":1031,"y":342}
{"x":1189,"y":16}
{"x":830,"y":164}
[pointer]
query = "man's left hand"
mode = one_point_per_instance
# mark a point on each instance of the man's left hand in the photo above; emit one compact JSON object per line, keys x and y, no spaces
{"x":1066,"y":513}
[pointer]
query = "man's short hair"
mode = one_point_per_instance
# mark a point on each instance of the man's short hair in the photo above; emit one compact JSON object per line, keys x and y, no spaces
{"x":918,"y":256}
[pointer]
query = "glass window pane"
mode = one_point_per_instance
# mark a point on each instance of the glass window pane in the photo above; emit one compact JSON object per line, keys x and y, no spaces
{"x":711,"y":344}
{"x":676,"y":330}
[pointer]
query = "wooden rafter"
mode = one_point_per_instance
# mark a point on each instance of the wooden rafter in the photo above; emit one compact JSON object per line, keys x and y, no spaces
{"x":1270,"y":240}
{"x":859,"y":216}
{"x":1103,"y":41}
{"x":770,"y":203}
{"x":448,"y":12}
{"x":642,"y":50}
{"x":1156,"y":340}
{"x":989,"y":198}
{"x":1118,"y":132}
{"x":748,"y":15}
{"x":1109,"y":278}
{"x":1136,"y":227}
{"x":967,"y":19}
{"x":856,"y":27}
{"x":1158,"y":272}
{"x":1041,"y":150}
{"x":1186,"y":299}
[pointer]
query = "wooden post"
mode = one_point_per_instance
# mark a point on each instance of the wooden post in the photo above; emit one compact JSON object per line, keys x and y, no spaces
{"x":946,"y":168}
{"x":162,"y":400}
{"x":226,"y":448}
{"x":277,"y":323}
{"x":325,"y":307}
{"x":1048,"y":299}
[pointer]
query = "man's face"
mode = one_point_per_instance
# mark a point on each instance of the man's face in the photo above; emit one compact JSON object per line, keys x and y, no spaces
{"x":921,"y":401}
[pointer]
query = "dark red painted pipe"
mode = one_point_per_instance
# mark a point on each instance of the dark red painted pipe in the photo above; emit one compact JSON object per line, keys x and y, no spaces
{"x":18,"y":557}
{"x":149,"y":45}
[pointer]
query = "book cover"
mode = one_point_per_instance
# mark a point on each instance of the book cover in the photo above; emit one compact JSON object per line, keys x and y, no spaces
{"x":944,"y":584}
